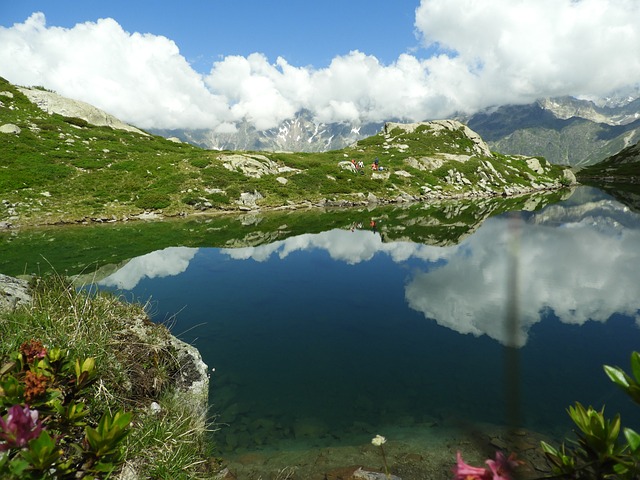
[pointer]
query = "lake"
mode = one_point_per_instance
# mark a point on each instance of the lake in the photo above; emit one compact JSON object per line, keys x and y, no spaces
{"x":383,"y":322}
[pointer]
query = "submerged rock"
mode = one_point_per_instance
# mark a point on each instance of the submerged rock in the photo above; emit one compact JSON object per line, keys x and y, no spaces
{"x":358,"y":473}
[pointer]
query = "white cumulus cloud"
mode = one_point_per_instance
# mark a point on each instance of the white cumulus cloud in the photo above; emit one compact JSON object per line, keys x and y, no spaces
{"x":484,"y":53}
{"x":521,"y":50}
{"x":142,"y":79}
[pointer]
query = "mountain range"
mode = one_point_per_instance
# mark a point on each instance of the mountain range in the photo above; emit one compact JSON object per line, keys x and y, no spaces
{"x":299,"y":134}
{"x":564,"y":130}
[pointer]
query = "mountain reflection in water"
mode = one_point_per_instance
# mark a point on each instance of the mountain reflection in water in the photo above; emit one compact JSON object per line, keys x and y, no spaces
{"x":326,"y":337}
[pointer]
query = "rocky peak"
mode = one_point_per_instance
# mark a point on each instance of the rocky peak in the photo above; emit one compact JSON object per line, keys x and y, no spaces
{"x":569,"y":107}
{"x":480,"y":148}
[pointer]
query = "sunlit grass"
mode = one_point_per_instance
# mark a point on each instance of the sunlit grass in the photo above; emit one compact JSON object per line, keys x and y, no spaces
{"x":172,"y":442}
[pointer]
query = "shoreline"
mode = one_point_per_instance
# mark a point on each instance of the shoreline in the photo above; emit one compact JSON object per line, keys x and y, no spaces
{"x":15,"y":222}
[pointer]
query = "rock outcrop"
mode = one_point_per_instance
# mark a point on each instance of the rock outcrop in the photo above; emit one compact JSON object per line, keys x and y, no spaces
{"x":479,"y":148}
{"x":13,"y":293}
{"x":188,"y":373}
{"x":253,"y":165}
{"x":51,"y":102}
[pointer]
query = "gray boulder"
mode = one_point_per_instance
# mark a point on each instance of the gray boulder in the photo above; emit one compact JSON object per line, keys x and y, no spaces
{"x":10,"y":128}
{"x":13,"y":293}
{"x":252,"y":165}
{"x":249,"y":199}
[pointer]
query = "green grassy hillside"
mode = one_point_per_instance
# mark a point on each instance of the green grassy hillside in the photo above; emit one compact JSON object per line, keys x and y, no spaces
{"x":623,"y":167}
{"x":59,"y":169}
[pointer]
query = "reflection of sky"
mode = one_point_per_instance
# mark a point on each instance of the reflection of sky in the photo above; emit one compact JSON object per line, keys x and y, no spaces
{"x":578,"y":261}
{"x":161,"y":263}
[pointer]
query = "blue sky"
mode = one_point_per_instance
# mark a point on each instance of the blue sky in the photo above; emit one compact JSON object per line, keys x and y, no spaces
{"x":212,"y":64}
{"x":303,"y":32}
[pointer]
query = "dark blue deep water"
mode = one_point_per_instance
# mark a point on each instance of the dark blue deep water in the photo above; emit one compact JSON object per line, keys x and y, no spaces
{"x":332,"y":338}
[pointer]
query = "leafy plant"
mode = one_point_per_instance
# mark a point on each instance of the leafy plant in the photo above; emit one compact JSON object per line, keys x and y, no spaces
{"x":43,"y":413}
{"x":153,"y":201}
{"x":43,"y":453}
{"x":78,"y":122}
{"x":104,"y":442}
{"x":200,"y":162}
{"x":599,"y":452}
{"x":630,"y":384}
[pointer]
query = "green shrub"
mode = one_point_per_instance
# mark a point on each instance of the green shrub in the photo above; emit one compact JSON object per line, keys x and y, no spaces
{"x":45,"y":125}
{"x":126,"y":165}
{"x":88,"y":163}
{"x":219,"y":199}
{"x":78,"y":122}
{"x":153,"y":201}
{"x":199,"y":162}
{"x":191,"y":200}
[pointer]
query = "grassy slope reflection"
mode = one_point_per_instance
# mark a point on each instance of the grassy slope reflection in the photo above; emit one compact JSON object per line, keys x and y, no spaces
{"x":84,"y":249}
{"x":626,"y":193}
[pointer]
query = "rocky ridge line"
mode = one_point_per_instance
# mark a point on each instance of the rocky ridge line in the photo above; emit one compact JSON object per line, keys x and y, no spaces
{"x":51,"y":102}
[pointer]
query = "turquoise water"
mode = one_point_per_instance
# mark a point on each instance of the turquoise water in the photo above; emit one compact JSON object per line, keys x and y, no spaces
{"x":330,"y":338}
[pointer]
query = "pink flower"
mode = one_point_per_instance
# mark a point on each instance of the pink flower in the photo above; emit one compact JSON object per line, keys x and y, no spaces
{"x":502,"y":467}
{"x":499,"y":469}
{"x":18,"y":427}
{"x":463,"y":471}
{"x":32,"y":350}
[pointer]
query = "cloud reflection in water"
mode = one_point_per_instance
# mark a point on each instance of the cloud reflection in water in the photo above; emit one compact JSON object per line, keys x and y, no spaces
{"x":344,"y":245}
{"x":580,"y":264}
{"x":161,"y":263}
{"x":581,"y":270}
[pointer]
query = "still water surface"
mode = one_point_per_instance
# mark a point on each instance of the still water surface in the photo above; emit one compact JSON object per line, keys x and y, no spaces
{"x":331,"y":338}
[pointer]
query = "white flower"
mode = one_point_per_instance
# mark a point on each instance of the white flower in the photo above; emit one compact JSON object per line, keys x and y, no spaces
{"x":378,"y":440}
